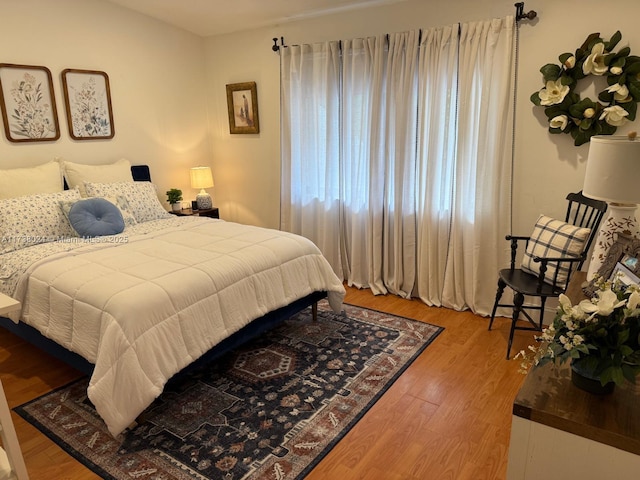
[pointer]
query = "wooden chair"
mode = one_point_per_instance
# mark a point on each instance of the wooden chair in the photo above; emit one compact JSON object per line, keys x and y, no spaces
{"x":554,"y":269}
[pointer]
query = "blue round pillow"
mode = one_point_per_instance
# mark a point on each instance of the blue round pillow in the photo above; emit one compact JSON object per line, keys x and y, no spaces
{"x":95,"y":217}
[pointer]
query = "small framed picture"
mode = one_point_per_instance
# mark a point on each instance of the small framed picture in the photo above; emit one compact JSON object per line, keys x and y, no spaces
{"x":88,"y":104}
{"x":242,"y":103}
{"x":28,"y":105}
{"x":624,"y":275}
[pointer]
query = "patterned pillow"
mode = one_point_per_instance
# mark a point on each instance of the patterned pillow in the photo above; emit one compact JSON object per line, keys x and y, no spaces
{"x":34,"y":219}
{"x":119,"y":201}
{"x":141,"y":196}
{"x":554,"y":238}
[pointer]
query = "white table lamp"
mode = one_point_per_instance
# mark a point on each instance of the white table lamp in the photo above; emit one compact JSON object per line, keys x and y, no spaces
{"x":613,"y":175}
{"x":201,"y":178}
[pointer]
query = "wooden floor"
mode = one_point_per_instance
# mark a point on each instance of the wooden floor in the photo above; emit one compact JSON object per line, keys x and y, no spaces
{"x":447,"y":417}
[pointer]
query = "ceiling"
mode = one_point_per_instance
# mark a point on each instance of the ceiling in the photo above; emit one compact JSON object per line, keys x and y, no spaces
{"x":214,"y":17}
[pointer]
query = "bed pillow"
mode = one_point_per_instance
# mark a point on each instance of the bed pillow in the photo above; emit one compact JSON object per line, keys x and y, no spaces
{"x":119,"y":201}
{"x":554,"y":238}
{"x":18,"y":182}
{"x":95,"y":217}
{"x":141,"y":196}
{"x":77,"y":173}
{"x":33,"y":219}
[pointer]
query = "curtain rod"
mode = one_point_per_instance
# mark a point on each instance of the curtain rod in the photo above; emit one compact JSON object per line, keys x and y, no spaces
{"x":520,"y":15}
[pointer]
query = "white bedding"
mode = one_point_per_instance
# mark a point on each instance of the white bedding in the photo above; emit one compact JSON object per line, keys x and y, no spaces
{"x":143,"y":309}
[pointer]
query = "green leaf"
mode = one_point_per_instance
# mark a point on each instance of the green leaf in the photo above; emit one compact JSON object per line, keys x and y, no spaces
{"x":580,"y":137}
{"x":564,"y":57}
{"x":613,"y":41}
{"x":550,"y":72}
{"x":535,"y":98}
{"x":632,"y":69}
{"x":632,"y":108}
{"x":617,"y":375}
{"x":624,"y":52}
{"x":634,"y":90}
{"x":566,"y":79}
{"x":605,"y":97}
{"x":591,"y":40}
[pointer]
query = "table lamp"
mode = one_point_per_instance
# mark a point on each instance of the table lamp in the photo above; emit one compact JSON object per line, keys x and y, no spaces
{"x":613,"y":175}
{"x":201,"y":178}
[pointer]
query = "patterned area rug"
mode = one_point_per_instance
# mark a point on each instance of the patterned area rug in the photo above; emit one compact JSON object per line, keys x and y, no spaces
{"x":271,"y":409}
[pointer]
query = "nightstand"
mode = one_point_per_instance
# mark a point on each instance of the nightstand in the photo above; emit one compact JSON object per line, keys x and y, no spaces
{"x":210,"y":212}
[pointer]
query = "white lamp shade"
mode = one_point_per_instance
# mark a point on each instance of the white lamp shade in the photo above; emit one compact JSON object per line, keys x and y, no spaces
{"x":201,"y":177}
{"x":613,"y":170}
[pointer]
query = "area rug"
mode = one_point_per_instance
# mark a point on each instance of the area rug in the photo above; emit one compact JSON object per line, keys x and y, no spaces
{"x":270,"y":409}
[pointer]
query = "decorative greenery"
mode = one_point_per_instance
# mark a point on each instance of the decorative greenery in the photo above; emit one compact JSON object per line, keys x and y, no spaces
{"x":174,"y":195}
{"x":582,"y":117}
{"x":600,"y":336}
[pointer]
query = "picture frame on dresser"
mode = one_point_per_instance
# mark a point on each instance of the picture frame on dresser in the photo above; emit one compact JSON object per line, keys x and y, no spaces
{"x":242,"y":105}
{"x":87,"y":99}
{"x":28,"y":104}
{"x":621,"y":261}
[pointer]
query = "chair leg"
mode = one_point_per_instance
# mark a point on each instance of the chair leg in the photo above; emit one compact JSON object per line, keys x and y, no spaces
{"x":543,"y":300}
{"x":501,"y":287}
{"x":518,"y":301}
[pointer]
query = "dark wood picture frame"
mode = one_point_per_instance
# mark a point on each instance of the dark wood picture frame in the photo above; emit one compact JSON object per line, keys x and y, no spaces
{"x":625,"y":245}
{"x":29,"y":112}
{"x":87,"y":99}
{"x":242,"y":104}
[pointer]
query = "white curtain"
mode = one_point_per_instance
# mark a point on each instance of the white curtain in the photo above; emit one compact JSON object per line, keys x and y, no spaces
{"x":310,"y":199}
{"x":482,"y":203}
{"x":397,"y":157}
{"x":379,"y":161}
{"x":437,"y":151}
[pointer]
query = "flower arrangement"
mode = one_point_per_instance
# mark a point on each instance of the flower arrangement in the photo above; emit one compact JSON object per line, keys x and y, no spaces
{"x":582,"y":117}
{"x":601,"y":336}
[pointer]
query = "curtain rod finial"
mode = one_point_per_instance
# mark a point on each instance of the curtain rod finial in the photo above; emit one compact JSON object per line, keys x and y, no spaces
{"x":275,"y":46}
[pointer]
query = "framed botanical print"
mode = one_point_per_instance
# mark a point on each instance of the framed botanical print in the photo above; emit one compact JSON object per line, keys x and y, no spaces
{"x":28,"y":105}
{"x":242,"y":103}
{"x":88,"y":104}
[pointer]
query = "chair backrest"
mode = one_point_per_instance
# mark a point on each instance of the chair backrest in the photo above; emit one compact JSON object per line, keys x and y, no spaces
{"x":587,"y":213}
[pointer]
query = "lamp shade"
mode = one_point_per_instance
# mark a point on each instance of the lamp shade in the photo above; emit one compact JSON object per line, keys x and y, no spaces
{"x":201,"y":177}
{"x":613,"y":169}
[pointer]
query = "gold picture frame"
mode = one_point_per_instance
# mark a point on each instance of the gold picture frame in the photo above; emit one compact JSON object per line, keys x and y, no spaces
{"x":87,"y":99}
{"x":28,"y":105}
{"x":242,"y":104}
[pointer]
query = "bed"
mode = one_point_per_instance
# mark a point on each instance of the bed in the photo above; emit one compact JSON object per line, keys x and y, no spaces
{"x":135,"y":308}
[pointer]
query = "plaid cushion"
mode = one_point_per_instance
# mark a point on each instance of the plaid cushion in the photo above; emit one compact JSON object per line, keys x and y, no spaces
{"x":554,"y":238}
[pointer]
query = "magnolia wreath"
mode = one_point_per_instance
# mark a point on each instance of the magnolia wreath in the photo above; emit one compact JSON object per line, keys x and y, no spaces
{"x":580,"y":117}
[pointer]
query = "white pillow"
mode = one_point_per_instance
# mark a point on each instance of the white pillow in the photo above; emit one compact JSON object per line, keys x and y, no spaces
{"x":141,"y":196}
{"x":17,"y":182}
{"x":34,"y":219}
{"x":78,"y":173}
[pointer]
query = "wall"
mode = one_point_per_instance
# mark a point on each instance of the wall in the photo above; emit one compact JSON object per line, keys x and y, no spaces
{"x":247,"y":167}
{"x":157,"y":78}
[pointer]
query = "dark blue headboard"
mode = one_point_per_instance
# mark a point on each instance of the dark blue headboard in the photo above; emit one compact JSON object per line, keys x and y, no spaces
{"x":140,"y":173}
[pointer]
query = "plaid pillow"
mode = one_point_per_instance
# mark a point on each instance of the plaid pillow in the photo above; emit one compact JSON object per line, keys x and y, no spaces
{"x":554,"y":238}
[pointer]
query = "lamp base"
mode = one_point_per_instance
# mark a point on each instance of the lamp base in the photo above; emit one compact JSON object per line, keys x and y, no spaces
{"x":620,"y":219}
{"x":203,"y":200}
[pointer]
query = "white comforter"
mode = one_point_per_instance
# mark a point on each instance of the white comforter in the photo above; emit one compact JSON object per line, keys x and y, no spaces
{"x":143,"y":310}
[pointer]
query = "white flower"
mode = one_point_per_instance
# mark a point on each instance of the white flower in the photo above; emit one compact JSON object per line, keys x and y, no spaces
{"x":604,"y":304}
{"x":553,"y":93}
{"x":616,"y":70}
{"x":620,"y":92}
{"x":634,"y":300}
{"x":589,"y":112}
{"x":570,"y":62}
{"x":614,"y":115}
{"x":578,"y":340}
{"x":595,"y":62}
{"x":559,"y":122}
